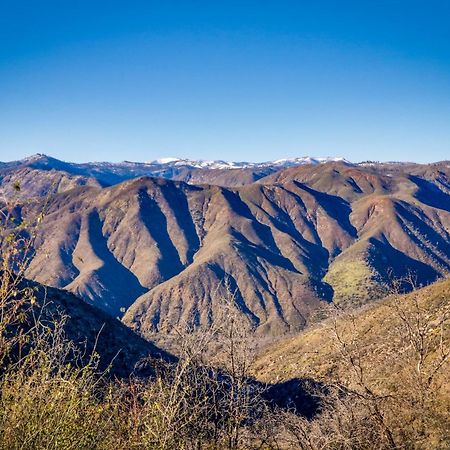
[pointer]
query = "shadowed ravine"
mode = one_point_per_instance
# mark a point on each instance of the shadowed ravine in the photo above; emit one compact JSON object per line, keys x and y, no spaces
{"x":291,"y":242}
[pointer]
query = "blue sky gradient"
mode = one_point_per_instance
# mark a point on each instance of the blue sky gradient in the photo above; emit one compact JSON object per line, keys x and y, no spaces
{"x":244,"y":80}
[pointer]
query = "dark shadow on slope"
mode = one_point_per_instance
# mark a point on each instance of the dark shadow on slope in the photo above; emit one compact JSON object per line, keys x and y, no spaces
{"x":354,"y":185}
{"x":123,"y":286}
{"x":156,"y":223}
{"x":65,"y":252}
{"x":121,"y":351}
{"x":263,"y":232}
{"x":428,"y":233}
{"x":177,"y":201}
{"x":391,"y":263}
{"x":230,"y":282}
{"x":335,"y":206}
{"x":312,"y":229}
{"x":259,"y":273}
{"x":296,"y":396}
{"x":315,"y":257}
{"x":252,"y":250}
{"x":430,"y":194}
{"x":128,"y":354}
{"x":323,"y":289}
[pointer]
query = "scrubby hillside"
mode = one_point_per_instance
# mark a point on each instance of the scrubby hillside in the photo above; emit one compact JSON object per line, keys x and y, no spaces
{"x":386,"y":370}
{"x":401,"y":217}
{"x":160,"y":250}
{"x":378,"y":328}
{"x":93,"y":330}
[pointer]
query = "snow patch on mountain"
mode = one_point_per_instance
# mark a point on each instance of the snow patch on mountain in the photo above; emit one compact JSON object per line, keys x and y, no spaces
{"x":167,"y":160}
{"x":220,"y":164}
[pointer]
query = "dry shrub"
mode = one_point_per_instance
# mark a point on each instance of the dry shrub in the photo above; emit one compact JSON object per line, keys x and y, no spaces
{"x":48,"y":402}
{"x":404,"y":405}
{"x":51,"y":399}
{"x":16,"y":299}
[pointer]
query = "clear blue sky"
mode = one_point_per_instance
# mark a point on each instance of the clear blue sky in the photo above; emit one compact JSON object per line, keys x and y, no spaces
{"x":238,"y":80}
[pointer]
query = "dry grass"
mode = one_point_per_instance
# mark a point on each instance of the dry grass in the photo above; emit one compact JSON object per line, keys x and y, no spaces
{"x":386,"y":368}
{"x":53,"y":397}
{"x":385,"y":372}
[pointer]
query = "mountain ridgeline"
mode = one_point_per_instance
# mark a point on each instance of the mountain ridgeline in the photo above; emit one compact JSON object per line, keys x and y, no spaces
{"x":284,"y":239}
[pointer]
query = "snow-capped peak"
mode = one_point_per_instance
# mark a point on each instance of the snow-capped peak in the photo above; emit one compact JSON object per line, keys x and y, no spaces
{"x":307,"y":160}
{"x":167,"y":160}
{"x":35,"y":157}
{"x":219,"y":164}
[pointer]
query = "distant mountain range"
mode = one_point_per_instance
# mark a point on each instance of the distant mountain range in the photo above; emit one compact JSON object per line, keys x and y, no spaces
{"x":107,"y":174}
{"x":40,"y":160}
{"x":157,"y":242}
{"x":219,"y":164}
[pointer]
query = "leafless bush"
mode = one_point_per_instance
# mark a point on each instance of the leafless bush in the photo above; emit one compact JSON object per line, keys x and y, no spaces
{"x":370,"y":407}
{"x":53,"y":397}
{"x":210,"y":397}
{"x":16,"y":299}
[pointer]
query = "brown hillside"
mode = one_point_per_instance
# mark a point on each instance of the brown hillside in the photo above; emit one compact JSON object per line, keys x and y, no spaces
{"x":91,"y":329}
{"x":160,"y":248}
{"x":316,"y":353}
